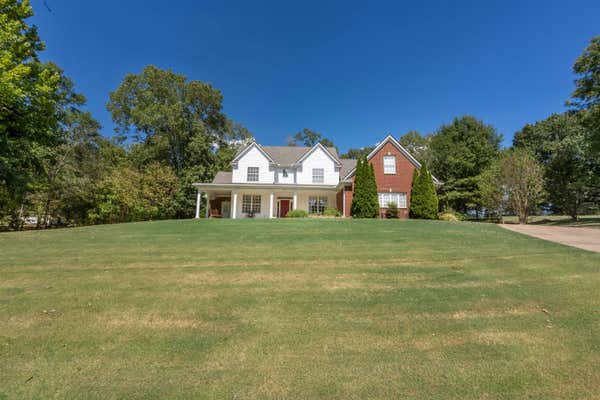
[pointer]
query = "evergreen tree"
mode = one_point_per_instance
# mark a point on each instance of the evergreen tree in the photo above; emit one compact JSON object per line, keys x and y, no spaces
{"x":365,"y":203}
{"x":371,"y":197}
{"x":424,"y":201}
{"x":358,"y":186}
{"x":414,"y":192}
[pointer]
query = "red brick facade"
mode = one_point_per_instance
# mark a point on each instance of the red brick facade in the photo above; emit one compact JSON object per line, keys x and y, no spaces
{"x":400,"y":182}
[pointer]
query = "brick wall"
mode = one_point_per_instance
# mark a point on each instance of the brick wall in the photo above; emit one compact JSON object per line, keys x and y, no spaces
{"x":400,"y":182}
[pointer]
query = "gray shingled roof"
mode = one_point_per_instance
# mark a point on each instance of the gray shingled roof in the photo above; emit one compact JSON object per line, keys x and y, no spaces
{"x":288,"y":155}
{"x":347,"y":166}
{"x":222,"y":177}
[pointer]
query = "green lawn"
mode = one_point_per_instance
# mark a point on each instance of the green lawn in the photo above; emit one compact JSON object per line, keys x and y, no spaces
{"x":584,"y":221}
{"x":260,"y":309}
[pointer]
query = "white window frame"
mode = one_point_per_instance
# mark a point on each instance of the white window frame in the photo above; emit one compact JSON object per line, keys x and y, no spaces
{"x":385,"y":198}
{"x":317,"y":204}
{"x":389,"y":165}
{"x":318,"y":175}
{"x":254,"y":174}
{"x":251,"y":203}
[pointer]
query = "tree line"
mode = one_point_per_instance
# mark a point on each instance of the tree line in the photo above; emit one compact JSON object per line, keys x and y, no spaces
{"x":56,"y":165}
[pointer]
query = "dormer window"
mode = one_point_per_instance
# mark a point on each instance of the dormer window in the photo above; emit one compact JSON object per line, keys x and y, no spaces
{"x":318,"y":175}
{"x":252,"y":174}
{"x":389,"y":164}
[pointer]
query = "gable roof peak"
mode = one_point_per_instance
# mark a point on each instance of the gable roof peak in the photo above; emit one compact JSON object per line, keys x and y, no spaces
{"x":331,"y":154}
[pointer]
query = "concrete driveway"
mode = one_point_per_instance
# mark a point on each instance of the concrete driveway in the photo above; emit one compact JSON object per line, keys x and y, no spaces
{"x":584,"y":238}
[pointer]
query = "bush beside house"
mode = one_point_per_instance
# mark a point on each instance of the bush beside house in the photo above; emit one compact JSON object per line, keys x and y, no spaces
{"x":297,"y":214}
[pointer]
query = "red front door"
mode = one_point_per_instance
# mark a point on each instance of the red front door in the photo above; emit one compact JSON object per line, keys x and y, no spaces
{"x":284,"y":207}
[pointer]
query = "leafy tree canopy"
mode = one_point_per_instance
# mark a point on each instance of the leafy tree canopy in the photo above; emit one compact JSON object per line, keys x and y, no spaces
{"x":514,"y":182}
{"x":560,"y":143}
{"x":587,"y":90}
{"x":419,"y":146}
{"x":178,"y":122}
{"x":461,"y":151}
{"x":358,"y":153}
{"x":307,"y":137}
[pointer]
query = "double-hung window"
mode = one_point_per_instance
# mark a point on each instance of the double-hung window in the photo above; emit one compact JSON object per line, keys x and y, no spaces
{"x":317,"y":204}
{"x":389,"y":164}
{"x":252,"y":174}
{"x":250,"y":204}
{"x":318,"y":175}
{"x":386,"y":198}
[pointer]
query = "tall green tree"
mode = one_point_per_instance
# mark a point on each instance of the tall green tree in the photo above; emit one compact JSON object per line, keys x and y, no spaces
{"x":34,"y":98}
{"x":423,"y":198}
{"x":561,"y":144}
{"x":170,"y":114}
{"x":358,"y":190}
{"x":365,"y":203}
{"x":586,"y":95}
{"x":176,"y":121}
{"x":371,"y":195}
{"x":461,"y":151}
{"x":307,"y":137}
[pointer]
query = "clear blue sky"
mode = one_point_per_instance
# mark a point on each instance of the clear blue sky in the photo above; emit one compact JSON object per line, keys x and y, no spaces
{"x":351,"y":70}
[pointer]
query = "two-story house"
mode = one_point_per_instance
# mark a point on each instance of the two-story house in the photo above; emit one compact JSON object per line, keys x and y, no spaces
{"x":269,"y":181}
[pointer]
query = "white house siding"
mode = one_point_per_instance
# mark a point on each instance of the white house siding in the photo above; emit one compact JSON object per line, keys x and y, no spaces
{"x":253,"y":158}
{"x":318,"y":159}
{"x":288,"y":179}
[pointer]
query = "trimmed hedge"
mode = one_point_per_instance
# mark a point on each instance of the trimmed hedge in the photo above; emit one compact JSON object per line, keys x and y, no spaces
{"x":331,"y":212}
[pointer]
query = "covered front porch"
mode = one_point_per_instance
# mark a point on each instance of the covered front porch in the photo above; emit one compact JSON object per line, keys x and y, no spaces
{"x":250,"y":202}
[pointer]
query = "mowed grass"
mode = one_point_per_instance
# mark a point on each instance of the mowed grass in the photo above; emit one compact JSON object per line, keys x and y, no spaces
{"x":584,"y":221}
{"x":258,"y":309}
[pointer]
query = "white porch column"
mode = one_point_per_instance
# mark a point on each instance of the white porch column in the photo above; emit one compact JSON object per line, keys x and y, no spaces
{"x":198,"y":199}
{"x":233,"y":205}
{"x":295,"y":204}
{"x":271,"y":205}
{"x":207,"y":204}
{"x":344,"y":202}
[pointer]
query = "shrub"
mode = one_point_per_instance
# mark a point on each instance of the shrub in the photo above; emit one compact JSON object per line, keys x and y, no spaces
{"x":447,"y":216}
{"x":450,"y":215}
{"x":331,"y":212}
{"x":392,"y":210}
{"x":297,"y":214}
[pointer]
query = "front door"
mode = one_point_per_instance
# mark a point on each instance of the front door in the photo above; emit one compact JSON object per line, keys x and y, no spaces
{"x":284,"y":207}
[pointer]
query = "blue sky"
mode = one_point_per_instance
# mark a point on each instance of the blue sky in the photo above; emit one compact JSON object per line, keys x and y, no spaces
{"x":353,"y":71}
